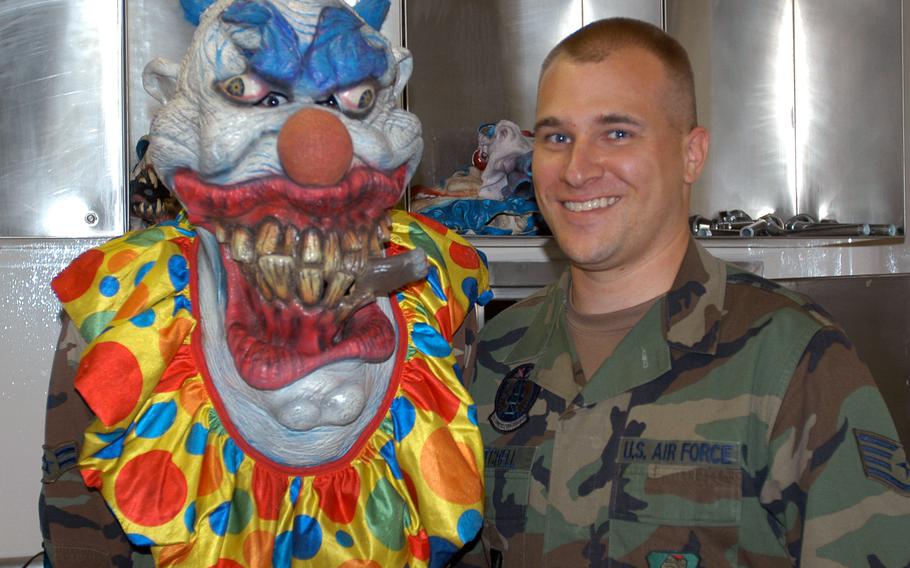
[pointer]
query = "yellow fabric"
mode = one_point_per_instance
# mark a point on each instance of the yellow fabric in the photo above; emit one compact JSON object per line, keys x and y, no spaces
{"x":176,"y":480}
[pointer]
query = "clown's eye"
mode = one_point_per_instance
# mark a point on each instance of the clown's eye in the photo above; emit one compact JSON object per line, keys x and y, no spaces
{"x":272,"y":99}
{"x":355,"y":102}
{"x":249,"y":89}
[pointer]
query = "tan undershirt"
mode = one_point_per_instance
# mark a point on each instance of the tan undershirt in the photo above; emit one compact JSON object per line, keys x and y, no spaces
{"x":595,"y":336}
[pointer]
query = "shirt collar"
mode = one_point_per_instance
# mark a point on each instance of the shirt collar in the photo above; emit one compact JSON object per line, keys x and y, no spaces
{"x":691,"y":310}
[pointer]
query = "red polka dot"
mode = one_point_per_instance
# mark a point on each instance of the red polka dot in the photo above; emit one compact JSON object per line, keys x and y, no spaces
{"x":150,"y":489}
{"x":419,"y":545}
{"x":181,"y":368}
{"x":174,"y":554}
{"x":170,"y":339}
{"x":77,"y":278}
{"x":449,"y":469}
{"x":338,"y":494}
{"x":226,"y":563}
{"x":464,"y":256}
{"x":445,"y":321}
{"x":431,"y":223}
{"x":427,"y":392}
{"x":268,"y":491}
{"x":110,"y":381}
{"x":92,"y":478}
{"x":257,"y":548}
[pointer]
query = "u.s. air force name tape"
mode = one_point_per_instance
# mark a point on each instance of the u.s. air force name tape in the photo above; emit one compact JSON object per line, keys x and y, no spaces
{"x":702,"y":453}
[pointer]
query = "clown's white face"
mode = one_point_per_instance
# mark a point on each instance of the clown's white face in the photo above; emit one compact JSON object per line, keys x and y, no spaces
{"x":283,"y":143}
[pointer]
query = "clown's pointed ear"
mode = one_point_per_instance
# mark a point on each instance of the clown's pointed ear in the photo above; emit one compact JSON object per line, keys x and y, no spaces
{"x":373,"y":12}
{"x":405,"y":67}
{"x":159,"y":79}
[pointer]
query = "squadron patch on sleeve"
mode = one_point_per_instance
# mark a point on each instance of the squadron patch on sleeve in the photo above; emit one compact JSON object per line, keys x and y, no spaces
{"x":884,"y":460}
{"x":514,"y":399}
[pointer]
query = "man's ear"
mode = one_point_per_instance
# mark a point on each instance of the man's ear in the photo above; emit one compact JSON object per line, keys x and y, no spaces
{"x":159,"y":79}
{"x":696,"y":153}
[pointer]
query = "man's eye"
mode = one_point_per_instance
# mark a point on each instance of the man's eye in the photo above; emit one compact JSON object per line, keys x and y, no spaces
{"x":557,"y":138}
{"x":618,"y":134}
{"x":272,"y":99}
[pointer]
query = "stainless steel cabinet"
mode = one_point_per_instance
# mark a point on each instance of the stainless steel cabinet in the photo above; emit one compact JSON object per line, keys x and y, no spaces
{"x":62,"y":171}
{"x":804,"y":102}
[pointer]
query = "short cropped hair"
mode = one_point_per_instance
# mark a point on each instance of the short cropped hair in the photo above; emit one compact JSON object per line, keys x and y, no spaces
{"x":596,"y":41}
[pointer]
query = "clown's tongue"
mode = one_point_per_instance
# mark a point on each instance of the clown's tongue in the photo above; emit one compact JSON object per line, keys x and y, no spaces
{"x":301,"y":276}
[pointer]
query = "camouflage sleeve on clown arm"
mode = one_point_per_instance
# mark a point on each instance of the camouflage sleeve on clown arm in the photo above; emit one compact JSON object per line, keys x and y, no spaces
{"x":836,"y":484}
{"x":77,"y":528}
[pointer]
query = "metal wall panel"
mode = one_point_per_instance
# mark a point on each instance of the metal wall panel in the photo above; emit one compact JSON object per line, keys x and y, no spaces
{"x":742,"y":56}
{"x":476,"y":61}
{"x":62,"y":171}
{"x":647,"y":10}
{"x":848,"y":109}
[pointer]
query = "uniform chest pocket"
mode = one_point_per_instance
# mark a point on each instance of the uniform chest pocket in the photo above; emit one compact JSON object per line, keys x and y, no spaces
{"x":678,"y":495}
{"x":657,"y":509}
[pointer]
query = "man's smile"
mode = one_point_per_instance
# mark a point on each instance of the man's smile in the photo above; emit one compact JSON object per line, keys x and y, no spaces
{"x":591,"y":204}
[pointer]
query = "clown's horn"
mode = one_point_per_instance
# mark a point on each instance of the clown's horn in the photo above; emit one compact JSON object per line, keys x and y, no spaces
{"x":193,"y":9}
{"x":373,"y":12}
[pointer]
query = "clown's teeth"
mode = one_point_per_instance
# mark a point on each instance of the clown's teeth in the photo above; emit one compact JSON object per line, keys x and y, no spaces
{"x":309,"y":285}
{"x":290,"y":240}
{"x":350,"y":241}
{"x":311,"y":247}
{"x":277,"y":272}
{"x":221,"y":234}
{"x":339,"y":282}
{"x":355,"y":261}
{"x":267,"y":238}
{"x":590,"y":205}
{"x":332,"y":252}
{"x":352,"y":303}
{"x":242,"y":249}
{"x":264,"y":288}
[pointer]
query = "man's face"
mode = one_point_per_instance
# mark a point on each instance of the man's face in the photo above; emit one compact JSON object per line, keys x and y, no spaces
{"x":612,"y":167}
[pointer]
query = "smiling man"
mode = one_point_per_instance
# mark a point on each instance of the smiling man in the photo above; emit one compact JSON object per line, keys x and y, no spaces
{"x":656,"y":407}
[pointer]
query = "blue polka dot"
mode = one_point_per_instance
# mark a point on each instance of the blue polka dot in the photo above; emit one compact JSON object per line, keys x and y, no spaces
{"x":109,"y":286}
{"x":458,"y":373}
{"x":469,"y":287}
{"x":178,"y":271}
{"x":344,"y":539}
{"x":485,"y":298}
{"x":195,"y":442}
{"x":218,"y":519}
{"x":181,"y":302}
{"x":156,"y":420}
{"x":472,"y":414}
{"x":388,"y":452}
{"x":400,"y":296}
{"x":233,"y":456}
{"x":469,"y":524}
{"x":143,"y":270}
{"x":114,"y":446}
{"x":403,"y":417}
{"x":189,"y":518}
{"x":295,"y":491}
{"x":144,"y":319}
{"x":281,"y":553}
{"x":140,"y":540}
{"x":435,"y":284}
{"x":307,"y":537}
{"x":429,"y":341}
{"x":483,"y":258}
{"x":441,"y":551}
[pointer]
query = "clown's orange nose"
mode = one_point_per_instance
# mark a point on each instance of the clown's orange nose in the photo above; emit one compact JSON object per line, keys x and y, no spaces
{"x":315,"y":148}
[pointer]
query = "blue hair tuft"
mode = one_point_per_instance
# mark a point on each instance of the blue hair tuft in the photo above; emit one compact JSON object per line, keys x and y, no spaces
{"x":193,"y":9}
{"x":373,"y":12}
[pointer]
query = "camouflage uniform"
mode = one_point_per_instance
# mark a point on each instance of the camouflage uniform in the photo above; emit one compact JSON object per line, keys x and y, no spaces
{"x":733,"y":426}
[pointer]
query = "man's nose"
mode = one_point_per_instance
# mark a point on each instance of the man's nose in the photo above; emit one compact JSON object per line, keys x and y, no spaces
{"x":315,"y":148}
{"x":583,"y":164}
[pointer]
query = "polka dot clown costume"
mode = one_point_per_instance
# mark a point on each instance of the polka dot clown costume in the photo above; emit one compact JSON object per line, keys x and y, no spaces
{"x":272,"y":373}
